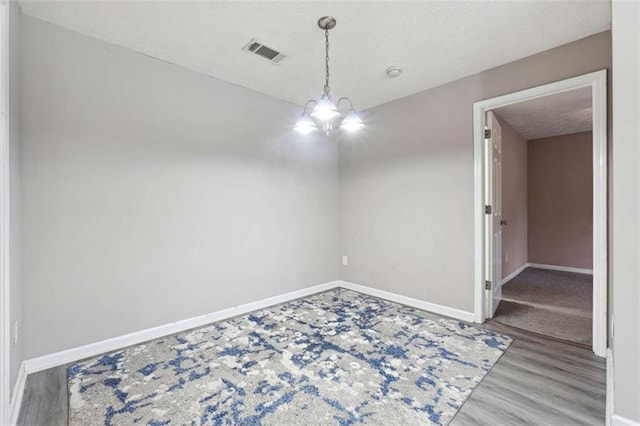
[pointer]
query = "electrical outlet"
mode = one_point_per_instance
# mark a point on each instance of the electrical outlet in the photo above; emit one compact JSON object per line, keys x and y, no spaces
{"x":507,"y":258}
{"x":345,"y":260}
{"x":15,"y":333}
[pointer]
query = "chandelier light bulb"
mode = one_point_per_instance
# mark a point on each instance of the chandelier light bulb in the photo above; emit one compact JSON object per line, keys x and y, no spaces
{"x":352,"y":122}
{"x":325,"y":110}
{"x":305,"y":124}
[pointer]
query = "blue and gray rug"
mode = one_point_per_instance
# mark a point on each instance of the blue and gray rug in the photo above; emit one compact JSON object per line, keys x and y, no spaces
{"x":338,"y":357}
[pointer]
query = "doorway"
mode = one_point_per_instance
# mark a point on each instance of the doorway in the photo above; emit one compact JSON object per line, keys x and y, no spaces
{"x":547,"y":216}
{"x":489,"y":220}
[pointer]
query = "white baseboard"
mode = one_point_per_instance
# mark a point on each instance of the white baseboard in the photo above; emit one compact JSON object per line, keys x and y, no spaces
{"x":34,"y":365}
{"x":544,"y":266}
{"x":16,"y":396}
{"x":76,"y":354}
{"x":409,"y":301}
{"x":617,"y":420}
{"x":93,"y":349}
{"x":560,"y":268}
{"x":514,"y":274}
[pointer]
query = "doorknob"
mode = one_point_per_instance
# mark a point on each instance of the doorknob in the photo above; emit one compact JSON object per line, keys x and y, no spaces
{"x":503,"y":222}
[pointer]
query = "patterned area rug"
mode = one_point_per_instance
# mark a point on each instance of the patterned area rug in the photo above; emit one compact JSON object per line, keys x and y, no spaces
{"x":338,"y":357}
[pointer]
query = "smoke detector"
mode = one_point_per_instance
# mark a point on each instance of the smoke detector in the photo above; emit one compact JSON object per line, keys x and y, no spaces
{"x":263,"y":51}
{"x":394,"y":71}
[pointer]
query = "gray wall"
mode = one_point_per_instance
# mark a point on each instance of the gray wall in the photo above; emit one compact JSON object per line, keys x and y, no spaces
{"x":15,"y":267}
{"x":626,"y":211}
{"x":406,"y":190}
{"x":153,"y":194}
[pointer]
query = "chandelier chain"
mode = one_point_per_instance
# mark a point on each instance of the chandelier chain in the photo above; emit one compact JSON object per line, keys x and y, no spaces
{"x":326,"y":58}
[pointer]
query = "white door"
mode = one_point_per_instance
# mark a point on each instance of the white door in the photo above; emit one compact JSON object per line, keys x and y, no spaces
{"x":493,"y":216}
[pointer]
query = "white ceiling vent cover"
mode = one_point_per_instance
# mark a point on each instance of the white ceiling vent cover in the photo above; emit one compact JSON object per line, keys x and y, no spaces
{"x":265,"y":52}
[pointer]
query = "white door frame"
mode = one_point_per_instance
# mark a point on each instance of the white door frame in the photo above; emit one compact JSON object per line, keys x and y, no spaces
{"x":598,"y":83}
{"x":5,"y":286}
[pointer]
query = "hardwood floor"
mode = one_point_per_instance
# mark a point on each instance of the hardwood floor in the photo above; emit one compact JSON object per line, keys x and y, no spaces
{"x":46,"y":399}
{"x":538,"y":381}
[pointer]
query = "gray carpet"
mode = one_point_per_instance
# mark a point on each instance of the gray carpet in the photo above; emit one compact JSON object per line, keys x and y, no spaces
{"x":551,"y":303}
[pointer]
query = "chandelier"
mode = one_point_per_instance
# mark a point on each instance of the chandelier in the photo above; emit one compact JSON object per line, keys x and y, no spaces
{"x":326,"y":114}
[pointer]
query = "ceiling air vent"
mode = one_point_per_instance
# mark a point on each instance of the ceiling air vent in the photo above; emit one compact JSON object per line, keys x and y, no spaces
{"x":265,"y":52}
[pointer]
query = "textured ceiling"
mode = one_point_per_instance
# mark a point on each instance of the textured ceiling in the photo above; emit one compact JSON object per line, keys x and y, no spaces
{"x":553,"y":115}
{"x":434,"y":41}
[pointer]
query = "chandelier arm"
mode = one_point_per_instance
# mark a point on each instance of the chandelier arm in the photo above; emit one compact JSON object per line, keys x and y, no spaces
{"x":344,"y":98}
{"x":309,"y":102}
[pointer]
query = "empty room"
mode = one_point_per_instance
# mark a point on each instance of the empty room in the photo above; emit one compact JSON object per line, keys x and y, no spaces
{"x":319,"y":212}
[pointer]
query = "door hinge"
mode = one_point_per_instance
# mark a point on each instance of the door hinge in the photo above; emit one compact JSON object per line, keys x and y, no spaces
{"x":487,"y":133}
{"x":487,"y":209}
{"x":487,"y":285}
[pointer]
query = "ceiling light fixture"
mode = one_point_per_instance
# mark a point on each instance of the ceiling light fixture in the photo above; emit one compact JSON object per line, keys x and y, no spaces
{"x":325,"y":114}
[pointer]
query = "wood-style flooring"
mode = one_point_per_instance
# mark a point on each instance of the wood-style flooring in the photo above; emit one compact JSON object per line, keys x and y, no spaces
{"x":538,"y":381}
{"x":46,"y":399}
